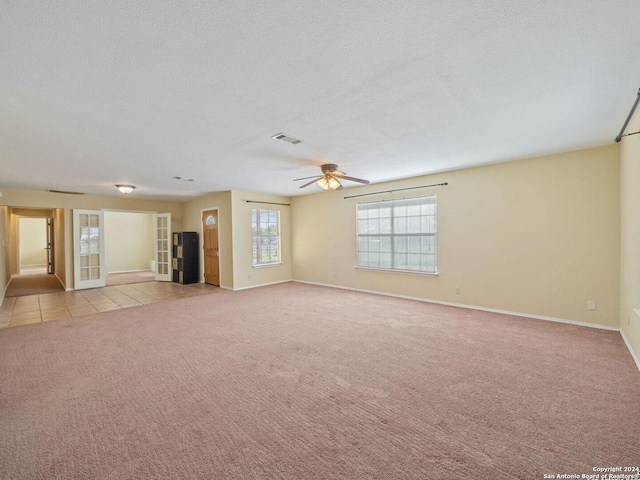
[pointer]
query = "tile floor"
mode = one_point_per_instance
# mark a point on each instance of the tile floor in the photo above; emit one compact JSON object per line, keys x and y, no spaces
{"x":52,"y":306}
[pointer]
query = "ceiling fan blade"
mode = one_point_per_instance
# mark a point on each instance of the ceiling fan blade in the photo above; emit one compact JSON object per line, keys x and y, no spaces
{"x":354,"y":179}
{"x":304,"y":178}
{"x":315,"y":179}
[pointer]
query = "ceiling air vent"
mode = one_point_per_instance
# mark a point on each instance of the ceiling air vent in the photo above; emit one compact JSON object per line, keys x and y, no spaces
{"x":286,"y":138}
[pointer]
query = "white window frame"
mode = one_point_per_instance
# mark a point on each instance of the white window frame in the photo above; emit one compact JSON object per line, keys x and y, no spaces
{"x":398,"y":235}
{"x":257,"y":237}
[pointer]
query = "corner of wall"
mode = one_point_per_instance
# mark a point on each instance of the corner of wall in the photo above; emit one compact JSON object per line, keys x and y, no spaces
{"x":630,"y":240}
{"x":511,"y":236}
{"x":245,"y":274}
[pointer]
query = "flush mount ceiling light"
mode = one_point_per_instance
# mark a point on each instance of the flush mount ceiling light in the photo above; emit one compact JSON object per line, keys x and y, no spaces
{"x":126,"y":189}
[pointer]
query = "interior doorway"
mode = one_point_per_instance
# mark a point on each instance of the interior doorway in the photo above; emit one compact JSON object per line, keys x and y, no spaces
{"x":210,"y":247}
{"x":129,"y":247}
{"x":36,"y":264}
{"x":37,"y":242}
{"x":34,"y":246}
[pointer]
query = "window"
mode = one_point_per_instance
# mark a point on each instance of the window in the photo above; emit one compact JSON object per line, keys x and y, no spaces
{"x":265,"y":225}
{"x":398,"y":235}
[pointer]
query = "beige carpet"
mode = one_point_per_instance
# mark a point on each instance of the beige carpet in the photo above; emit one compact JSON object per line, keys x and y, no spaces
{"x":296,"y":381}
{"x":33,"y":284}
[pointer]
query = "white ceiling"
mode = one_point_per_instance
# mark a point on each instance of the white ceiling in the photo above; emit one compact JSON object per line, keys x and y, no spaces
{"x":95,"y":93}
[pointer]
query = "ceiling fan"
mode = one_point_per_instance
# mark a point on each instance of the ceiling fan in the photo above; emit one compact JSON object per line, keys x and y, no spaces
{"x":330,"y":178}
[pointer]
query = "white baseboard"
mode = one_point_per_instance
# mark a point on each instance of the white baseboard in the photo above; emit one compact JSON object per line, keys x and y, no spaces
{"x":633,"y":354}
{"x":130,"y":271}
{"x":470,"y":307}
{"x":261,"y":285}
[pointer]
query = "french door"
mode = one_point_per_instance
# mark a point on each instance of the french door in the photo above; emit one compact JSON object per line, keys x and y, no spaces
{"x":88,"y":249}
{"x":162,"y":223}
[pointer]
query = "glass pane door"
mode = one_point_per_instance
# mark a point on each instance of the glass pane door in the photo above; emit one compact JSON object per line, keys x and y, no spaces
{"x":88,"y":248}
{"x":163,"y":246}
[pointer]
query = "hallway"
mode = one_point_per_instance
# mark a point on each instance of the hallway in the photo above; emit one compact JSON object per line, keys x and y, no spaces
{"x":29,"y":284}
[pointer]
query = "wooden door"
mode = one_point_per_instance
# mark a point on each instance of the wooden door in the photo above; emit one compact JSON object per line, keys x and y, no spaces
{"x":210,"y":247}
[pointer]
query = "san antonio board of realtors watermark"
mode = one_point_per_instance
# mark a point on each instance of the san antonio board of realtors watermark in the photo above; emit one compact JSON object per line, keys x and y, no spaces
{"x":599,"y":473}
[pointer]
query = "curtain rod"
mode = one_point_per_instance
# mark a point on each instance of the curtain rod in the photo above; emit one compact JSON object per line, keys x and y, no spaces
{"x":399,"y":190}
{"x":626,"y":122}
{"x":268,"y":203}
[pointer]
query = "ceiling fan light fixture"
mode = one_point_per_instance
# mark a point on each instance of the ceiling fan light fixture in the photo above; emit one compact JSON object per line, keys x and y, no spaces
{"x":330,"y":178}
{"x":126,"y":189}
{"x":323,"y":183}
{"x":333,"y":183}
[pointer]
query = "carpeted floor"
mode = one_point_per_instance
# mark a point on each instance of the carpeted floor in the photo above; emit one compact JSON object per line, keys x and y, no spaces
{"x":33,"y":284}
{"x":295,"y":381}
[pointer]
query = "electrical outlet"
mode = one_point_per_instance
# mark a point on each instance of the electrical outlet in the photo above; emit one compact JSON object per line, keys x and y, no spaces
{"x":458,"y":290}
{"x":335,"y":275}
{"x":591,"y":305}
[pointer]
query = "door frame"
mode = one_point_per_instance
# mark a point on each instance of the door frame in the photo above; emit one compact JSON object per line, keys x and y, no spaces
{"x":46,"y":218}
{"x":201,"y":246}
{"x":15,"y":213}
{"x":51,"y":245}
{"x":121,"y":210}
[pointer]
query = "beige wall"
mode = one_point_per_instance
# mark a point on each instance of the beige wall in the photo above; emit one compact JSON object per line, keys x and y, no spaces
{"x":66,"y":202}
{"x":13,"y":249}
{"x":32,"y":234}
{"x":59,"y":245}
{"x":128,"y":240}
{"x":193,"y":223}
{"x":630,"y":238}
{"x":244,"y":274}
{"x":538,"y":237}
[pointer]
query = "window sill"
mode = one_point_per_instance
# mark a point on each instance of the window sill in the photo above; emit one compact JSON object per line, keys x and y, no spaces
{"x":267,"y":265}
{"x":405,"y":272}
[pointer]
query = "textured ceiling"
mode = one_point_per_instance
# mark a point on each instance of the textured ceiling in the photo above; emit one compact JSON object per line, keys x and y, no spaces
{"x":95,"y":93}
